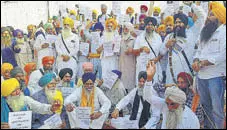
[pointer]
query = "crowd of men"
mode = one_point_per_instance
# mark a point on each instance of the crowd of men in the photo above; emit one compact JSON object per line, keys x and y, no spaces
{"x":170,"y":70}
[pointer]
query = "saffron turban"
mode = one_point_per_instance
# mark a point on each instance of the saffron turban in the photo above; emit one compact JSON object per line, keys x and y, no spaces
{"x":87,"y":66}
{"x":219,"y":11}
{"x":98,"y":26}
{"x":68,"y":21}
{"x":46,"y":59}
{"x":48,"y":25}
{"x":95,"y":11}
{"x":46,"y":79}
{"x":176,"y":95}
{"x":29,"y":67}
{"x":144,"y":7}
{"x":142,"y":16}
{"x":16,"y":71}
{"x":113,"y":21}
{"x":186,"y":77}
{"x":182,"y":17}
{"x":157,"y":9}
{"x":8,"y":86}
{"x":15,"y":32}
{"x":129,"y":10}
{"x":129,"y":26}
{"x":87,"y":76}
{"x":64,"y":71}
{"x":142,"y":74}
{"x":117,"y":72}
{"x":30,"y":27}
{"x":169,"y":20}
{"x":162,"y":28}
{"x":150,"y":19}
{"x":5,"y":67}
{"x":72,"y":12}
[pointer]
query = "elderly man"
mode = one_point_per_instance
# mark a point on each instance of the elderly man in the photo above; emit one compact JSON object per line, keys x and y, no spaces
{"x":103,"y":17}
{"x":47,"y":62}
{"x":89,"y":96}
{"x":67,"y":47}
{"x":147,"y":46}
{"x":176,"y":115}
{"x":48,"y":95}
{"x":5,"y":71}
{"x":13,"y":100}
{"x":18,"y":73}
{"x":127,"y":61}
{"x":141,"y":109}
{"x":210,"y":63}
{"x":28,"y":69}
{"x":25,"y":54}
{"x":7,"y":50}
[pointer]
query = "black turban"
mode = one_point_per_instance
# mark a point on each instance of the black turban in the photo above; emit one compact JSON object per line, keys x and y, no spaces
{"x":182,"y":17}
{"x":142,"y":74}
{"x":150,"y":19}
{"x":64,"y":71}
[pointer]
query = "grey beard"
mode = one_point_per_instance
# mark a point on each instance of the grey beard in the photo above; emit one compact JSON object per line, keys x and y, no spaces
{"x":66,"y":84}
{"x":16,"y":102}
{"x":140,"y":91}
{"x":174,"y":118}
{"x":149,"y":35}
{"x":125,"y":36}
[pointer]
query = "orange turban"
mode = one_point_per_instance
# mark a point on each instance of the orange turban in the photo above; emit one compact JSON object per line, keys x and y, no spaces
{"x":162,"y":28}
{"x":46,"y":59}
{"x":113,"y":21}
{"x":129,"y":10}
{"x":219,"y":11}
{"x":169,"y":20}
{"x":29,"y":67}
{"x":30,"y":26}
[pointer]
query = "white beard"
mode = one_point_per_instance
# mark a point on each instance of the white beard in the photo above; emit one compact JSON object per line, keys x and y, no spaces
{"x":50,"y":94}
{"x":16,"y":102}
{"x":125,"y":36}
{"x":140,"y":91}
{"x":65,"y":84}
{"x":66,"y":32}
{"x":149,"y":36}
{"x":174,"y":118}
{"x":108,"y":36}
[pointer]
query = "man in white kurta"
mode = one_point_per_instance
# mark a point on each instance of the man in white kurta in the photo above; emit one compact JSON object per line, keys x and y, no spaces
{"x":67,"y":54}
{"x":98,"y":102}
{"x":144,"y":52}
{"x":186,"y":40}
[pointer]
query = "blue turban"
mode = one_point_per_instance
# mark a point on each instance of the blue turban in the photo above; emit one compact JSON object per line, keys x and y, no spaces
{"x":150,"y":19}
{"x":15,"y":32}
{"x":98,"y":26}
{"x":87,"y":76}
{"x":64,"y":71}
{"x":46,"y":79}
{"x":142,"y":74}
{"x":190,"y":22}
{"x":182,"y":17}
{"x":118,"y":73}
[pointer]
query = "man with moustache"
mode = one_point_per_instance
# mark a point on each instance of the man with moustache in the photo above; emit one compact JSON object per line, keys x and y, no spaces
{"x":169,"y":23}
{"x":210,"y":63}
{"x":180,"y":45}
{"x":33,"y":85}
{"x":176,"y":115}
{"x":13,"y":100}
{"x":5,"y":71}
{"x":25,"y":52}
{"x":66,"y":78}
{"x":67,"y":47}
{"x":103,"y":17}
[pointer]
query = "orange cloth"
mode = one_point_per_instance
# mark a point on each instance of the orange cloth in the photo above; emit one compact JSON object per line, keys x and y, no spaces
{"x":195,"y":102}
{"x":28,"y":68}
{"x":129,"y":10}
{"x":219,"y":11}
{"x":113,"y":21}
{"x":85,"y":102}
{"x":169,"y":20}
{"x":161,"y":28}
{"x":87,"y":66}
{"x":46,"y":59}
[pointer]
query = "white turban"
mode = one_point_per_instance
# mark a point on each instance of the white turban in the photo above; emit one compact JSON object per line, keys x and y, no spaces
{"x":129,"y":26}
{"x":186,"y":9}
{"x":103,"y":6}
{"x":176,"y":95}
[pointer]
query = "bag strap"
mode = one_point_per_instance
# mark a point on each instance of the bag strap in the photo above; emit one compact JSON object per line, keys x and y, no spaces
{"x":188,"y":63}
{"x":150,"y":47}
{"x":41,"y":71}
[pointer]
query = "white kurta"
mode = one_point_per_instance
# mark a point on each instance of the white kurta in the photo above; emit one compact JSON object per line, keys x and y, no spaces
{"x":143,"y":58}
{"x":189,"y":119}
{"x":72,"y":42}
{"x":101,"y":102}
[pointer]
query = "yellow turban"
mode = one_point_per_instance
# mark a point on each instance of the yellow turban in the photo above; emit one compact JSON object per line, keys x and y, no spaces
{"x":30,"y":26}
{"x":69,"y":21}
{"x":157,"y":9}
{"x":219,"y":11}
{"x":113,"y":21}
{"x":162,"y":28}
{"x":59,"y":97}
{"x":95,"y":11}
{"x":6,"y":66}
{"x":129,"y":10}
{"x":169,"y":20}
{"x":8,"y":86}
{"x":72,"y":12}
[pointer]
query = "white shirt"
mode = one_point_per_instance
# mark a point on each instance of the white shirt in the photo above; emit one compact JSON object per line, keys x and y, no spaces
{"x":215,"y":52}
{"x":189,"y":119}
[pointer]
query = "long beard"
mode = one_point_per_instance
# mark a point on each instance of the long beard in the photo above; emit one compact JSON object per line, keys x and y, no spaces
{"x":125,"y":36}
{"x":149,"y":35}
{"x":174,"y":118}
{"x":20,"y":40}
{"x":50,"y":93}
{"x":66,"y":32}
{"x":140,"y":91}
{"x":208,"y":30}
{"x":109,"y":36}
{"x":16,"y":103}
{"x":180,"y":31}
{"x":6,"y":41}
{"x":169,"y":30}
{"x":47,"y":70}
{"x":66,"y":84}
